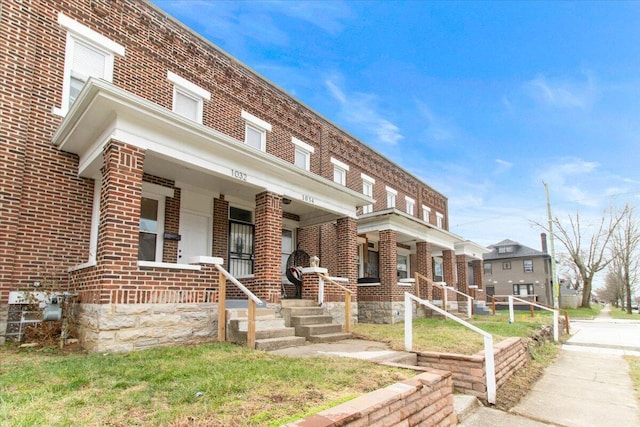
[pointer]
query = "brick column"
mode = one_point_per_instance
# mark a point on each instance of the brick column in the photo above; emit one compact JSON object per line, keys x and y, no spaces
{"x":424,"y":266}
{"x":478,"y":273}
{"x":461,"y":268}
{"x":348,"y":250}
{"x":268,"y":246}
{"x":448,"y":267}
{"x":220,"y":244}
{"x":120,"y":196}
{"x":388,"y":265}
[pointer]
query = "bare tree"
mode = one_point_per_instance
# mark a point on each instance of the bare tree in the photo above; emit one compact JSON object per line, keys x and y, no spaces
{"x":568,"y":272}
{"x":613,"y":290}
{"x":625,"y":249}
{"x":591,"y":259}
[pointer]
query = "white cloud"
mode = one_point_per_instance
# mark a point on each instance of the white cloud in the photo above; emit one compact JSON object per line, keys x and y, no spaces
{"x":502,"y":167}
{"x":360,"y":110}
{"x":573,"y":180}
{"x":562,"y":93}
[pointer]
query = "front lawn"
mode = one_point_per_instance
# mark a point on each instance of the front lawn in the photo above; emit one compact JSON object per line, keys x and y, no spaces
{"x":213,"y":385}
{"x":581,"y":313}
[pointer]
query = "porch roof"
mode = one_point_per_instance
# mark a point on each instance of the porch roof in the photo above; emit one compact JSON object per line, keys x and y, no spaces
{"x":186,"y":151}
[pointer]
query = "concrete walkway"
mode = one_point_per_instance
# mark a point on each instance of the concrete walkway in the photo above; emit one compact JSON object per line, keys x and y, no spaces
{"x":589,"y":383}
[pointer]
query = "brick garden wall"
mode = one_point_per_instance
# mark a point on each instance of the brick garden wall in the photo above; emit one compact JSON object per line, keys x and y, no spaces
{"x":469,"y":375}
{"x":426,"y":400}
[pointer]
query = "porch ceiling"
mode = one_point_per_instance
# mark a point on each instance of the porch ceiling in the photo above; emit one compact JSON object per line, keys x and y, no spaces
{"x":183,"y":150}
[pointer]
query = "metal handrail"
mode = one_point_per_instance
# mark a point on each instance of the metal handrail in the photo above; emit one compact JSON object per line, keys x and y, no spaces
{"x":555,"y":313}
{"x":347,"y":300}
{"x":489,"y":360}
{"x":222,"y":318}
{"x":468,"y":297}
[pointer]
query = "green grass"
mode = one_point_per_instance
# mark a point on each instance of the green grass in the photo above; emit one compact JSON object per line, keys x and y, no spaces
{"x":214,"y":384}
{"x":449,"y":336}
{"x":619,"y":313}
{"x":634,"y":372}
{"x":583,"y":313}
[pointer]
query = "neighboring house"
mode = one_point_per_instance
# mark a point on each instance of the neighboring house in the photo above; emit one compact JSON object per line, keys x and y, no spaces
{"x":514,"y":269}
{"x":135,"y":154}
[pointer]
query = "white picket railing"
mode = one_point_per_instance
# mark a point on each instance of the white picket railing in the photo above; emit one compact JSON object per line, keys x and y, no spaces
{"x":489,"y":362}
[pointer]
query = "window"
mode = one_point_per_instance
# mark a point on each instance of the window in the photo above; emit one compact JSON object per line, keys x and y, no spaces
{"x":391,"y":197}
{"x":255,"y":131}
{"x":487,"y":268}
{"x":287,"y":250}
{"x":439,"y":220}
{"x":87,"y":54}
{"x":505,"y":249}
{"x":367,"y":190}
{"x":506,"y":266}
{"x":411,"y":203}
{"x":150,"y":237}
{"x":302,"y":155}
{"x":528,"y":265}
{"x":523,"y":290}
{"x":339,"y":171}
{"x":403,"y":266}
{"x":188,"y":98}
{"x":426,"y":213}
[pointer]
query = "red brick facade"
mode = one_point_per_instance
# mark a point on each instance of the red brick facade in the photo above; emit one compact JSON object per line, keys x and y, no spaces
{"x":47,"y":193}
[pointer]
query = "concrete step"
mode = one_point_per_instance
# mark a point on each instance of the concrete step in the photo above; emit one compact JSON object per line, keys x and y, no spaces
{"x":287,"y":303}
{"x":310,"y":320}
{"x":305,"y":311}
{"x":242,"y":324}
{"x":464,"y":405}
{"x":489,"y":417}
{"x":237,"y":313}
{"x":268,"y":344}
{"x":318,"y":329}
{"x":329,"y":337}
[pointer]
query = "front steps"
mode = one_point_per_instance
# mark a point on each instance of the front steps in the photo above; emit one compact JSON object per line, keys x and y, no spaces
{"x":310,"y":321}
{"x":271,"y":332}
{"x":480,"y":308}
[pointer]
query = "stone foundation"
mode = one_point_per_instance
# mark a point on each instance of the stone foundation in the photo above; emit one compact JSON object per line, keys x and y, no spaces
{"x":127,"y":327}
{"x":381,"y":311}
{"x":336,"y":310}
{"x":4,"y":315}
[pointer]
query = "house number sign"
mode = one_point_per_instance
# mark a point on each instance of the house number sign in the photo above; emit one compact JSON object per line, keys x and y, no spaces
{"x":238,"y":175}
{"x":307,"y":198}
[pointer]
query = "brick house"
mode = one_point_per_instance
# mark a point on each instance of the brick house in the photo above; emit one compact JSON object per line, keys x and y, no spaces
{"x":135,"y":153}
{"x":515,"y":269}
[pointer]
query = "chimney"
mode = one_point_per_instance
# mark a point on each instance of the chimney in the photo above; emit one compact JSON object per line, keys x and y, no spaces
{"x":543,"y":238}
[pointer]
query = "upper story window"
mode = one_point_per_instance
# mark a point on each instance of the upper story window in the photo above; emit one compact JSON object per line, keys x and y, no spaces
{"x":439,"y":220}
{"x":528,"y":265}
{"x":391,"y":197}
{"x":506,"y":266}
{"x":302,"y":155}
{"x":339,"y":171}
{"x":411,"y":203}
{"x":505,"y":249}
{"x":367,"y":190}
{"x":87,"y":54}
{"x":255,"y":131}
{"x":426,"y":213}
{"x":487,"y":268}
{"x":188,"y":98}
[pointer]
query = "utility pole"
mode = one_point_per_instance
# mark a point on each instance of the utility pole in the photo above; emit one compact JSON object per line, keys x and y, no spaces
{"x":554,"y":278}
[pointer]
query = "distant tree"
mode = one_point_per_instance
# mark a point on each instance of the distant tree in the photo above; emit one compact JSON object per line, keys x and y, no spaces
{"x":568,"y":271}
{"x":625,"y":250}
{"x":588,"y":259}
{"x":613,"y":290}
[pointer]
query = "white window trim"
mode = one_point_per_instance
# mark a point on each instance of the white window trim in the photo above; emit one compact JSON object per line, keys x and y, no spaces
{"x":426,"y":213}
{"x":305,"y":149}
{"x":367,"y":184}
{"x":311,"y":149}
{"x":95,"y":220}
{"x":439,"y":219}
{"x":256,"y":122}
{"x":78,"y":33}
{"x":188,"y":86}
{"x":391,"y":195}
{"x":159,"y":193}
{"x":343,"y":168}
{"x":340,"y":164}
{"x":405,"y":253}
{"x":367,"y":178}
{"x":411,"y":203}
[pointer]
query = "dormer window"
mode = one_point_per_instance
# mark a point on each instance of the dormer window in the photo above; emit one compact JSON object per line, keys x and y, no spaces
{"x":505,"y":249}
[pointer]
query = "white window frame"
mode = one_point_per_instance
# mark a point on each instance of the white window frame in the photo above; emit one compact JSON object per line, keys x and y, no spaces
{"x":159,"y":193}
{"x":391,"y":197}
{"x":302,"y":149}
{"x":258,"y":125}
{"x":426,"y":213}
{"x":190,"y":90}
{"x":367,"y":190}
{"x":340,"y":170}
{"x":81,"y":34}
{"x":407,"y":254}
{"x":439,"y":219}
{"x":411,"y":205}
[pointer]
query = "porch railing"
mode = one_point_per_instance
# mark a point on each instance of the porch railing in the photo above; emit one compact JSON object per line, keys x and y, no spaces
{"x":531,"y":304}
{"x":222,"y":314}
{"x":442,"y":286}
{"x":347,"y":299}
{"x":489,"y":361}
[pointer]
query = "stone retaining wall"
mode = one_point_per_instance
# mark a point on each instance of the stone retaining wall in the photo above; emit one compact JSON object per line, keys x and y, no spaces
{"x":127,"y":327}
{"x":4,"y":315}
{"x":424,"y":400}
{"x":469,"y":375}
{"x":381,"y":311}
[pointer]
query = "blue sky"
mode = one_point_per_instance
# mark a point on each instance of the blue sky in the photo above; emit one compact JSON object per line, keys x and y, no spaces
{"x":481,"y":100}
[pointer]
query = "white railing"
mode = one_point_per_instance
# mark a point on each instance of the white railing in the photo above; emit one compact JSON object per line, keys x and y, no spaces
{"x":532,"y":304}
{"x":222,"y":318}
{"x":489,"y":362}
{"x":451,"y":288}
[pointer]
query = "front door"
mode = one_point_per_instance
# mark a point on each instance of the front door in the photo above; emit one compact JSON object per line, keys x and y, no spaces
{"x":195,"y":231}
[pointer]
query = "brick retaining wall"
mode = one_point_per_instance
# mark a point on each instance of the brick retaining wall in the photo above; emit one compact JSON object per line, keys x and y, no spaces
{"x":469,"y":372}
{"x":424,"y":400}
